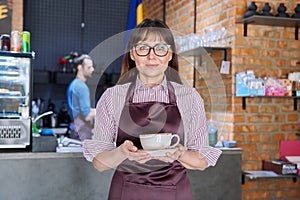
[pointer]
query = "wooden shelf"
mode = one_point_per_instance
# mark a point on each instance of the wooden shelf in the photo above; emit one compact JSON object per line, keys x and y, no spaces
{"x":18,"y":54}
{"x":288,"y":97}
{"x":251,"y":174}
{"x":199,"y":51}
{"x":271,"y":21}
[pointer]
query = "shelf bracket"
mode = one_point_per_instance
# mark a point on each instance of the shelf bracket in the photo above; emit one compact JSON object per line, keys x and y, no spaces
{"x":244,"y":103}
{"x":296,"y":33}
{"x":294,"y":179}
{"x":225,"y":54}
{"x":295,"y":104}
{"x":245,"y":29}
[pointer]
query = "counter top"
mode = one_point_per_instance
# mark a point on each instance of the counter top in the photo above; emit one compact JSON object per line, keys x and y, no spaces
{"x":226,"y":150}
{"x":38,"y":155}
{"x":51,"y":175}
{"x":42,"y":155}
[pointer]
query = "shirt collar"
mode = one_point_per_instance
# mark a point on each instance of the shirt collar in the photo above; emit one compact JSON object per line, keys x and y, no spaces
{"x":140,"y":85}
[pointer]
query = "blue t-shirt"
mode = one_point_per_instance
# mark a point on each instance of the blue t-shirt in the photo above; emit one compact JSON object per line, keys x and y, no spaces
{"x":78,"y":98}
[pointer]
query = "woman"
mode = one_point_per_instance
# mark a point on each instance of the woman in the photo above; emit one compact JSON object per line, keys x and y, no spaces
{"x":150,"y":90}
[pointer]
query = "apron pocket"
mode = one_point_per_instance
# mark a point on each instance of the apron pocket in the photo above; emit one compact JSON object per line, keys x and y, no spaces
{"x":135,"y":191}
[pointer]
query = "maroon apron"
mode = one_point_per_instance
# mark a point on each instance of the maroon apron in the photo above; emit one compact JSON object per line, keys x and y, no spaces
{"x":83,"y":129}
{"x":155,"y":179}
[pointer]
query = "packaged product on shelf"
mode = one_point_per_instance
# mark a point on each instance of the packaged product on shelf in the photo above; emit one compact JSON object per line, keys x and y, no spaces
{"x":295,"y":78}
{"x":248,"y":85}
{"x":25,"y":36}
{"x":278,"y":87}
{"x":16,"y":42}
{"x":240,"y":84}
{"x":286,"y":85}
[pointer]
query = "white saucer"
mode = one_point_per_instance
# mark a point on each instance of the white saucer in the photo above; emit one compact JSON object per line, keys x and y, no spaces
{"x":160,"y":152}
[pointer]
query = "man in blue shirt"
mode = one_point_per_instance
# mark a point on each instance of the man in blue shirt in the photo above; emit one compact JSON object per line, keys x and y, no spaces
{"x":79,"y":103}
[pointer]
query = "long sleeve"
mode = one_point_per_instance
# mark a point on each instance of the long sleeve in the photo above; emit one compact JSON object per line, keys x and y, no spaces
{"x":196,"y":126}
{"x":105,"y":128}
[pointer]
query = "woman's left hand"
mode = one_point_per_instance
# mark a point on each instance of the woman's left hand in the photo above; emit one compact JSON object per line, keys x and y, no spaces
{"x":171,"y":157}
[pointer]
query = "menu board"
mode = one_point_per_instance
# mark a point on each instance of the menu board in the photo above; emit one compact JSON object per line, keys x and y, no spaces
{"x":5,"y":16}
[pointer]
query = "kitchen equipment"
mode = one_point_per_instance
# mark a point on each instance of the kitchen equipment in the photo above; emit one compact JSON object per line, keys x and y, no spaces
{"x":44,"y":143}
{"x":35,"y":127}
{"x":229,"y":143}
{"x":15,"y":100}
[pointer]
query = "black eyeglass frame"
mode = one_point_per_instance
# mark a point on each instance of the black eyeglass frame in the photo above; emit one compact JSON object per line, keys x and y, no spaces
{"x":135,"y":45}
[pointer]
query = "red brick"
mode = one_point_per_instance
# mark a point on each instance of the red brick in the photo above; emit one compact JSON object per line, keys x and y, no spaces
{"x":267,"y":147}
{"x":280,"y":118}
{"x":293,"y":117}
{"x":281,"y":44}
{"x":290,"y":127}
{"x":278,"y":137}
{"x":270,"y":185}
{"x":267,"y":128}
{"x":248,"y":147}
{"x":239,"y":118}
{"x":239,"y":137}
{"x":268,"y":109}
{"x":249,"y":186}
{"x":294,"y":193}
{"x":258,"y":195}
{"x":281,"y":63}
{"x":260,"y":118}
{"x":280,"y":194}
{"x":244,"y":128}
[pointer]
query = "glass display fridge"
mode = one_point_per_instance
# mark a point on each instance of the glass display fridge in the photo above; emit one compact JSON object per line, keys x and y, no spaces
{"x":15,"y":100}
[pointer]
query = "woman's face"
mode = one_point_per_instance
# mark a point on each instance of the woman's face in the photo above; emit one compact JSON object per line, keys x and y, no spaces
{"x":151,"y":67}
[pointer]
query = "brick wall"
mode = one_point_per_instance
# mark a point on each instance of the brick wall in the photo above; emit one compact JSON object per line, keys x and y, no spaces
{"x":17,"y":15}
{"x":269,"y":51}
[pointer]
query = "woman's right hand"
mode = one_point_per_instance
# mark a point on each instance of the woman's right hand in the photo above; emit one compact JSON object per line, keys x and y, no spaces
{"x":132,"y":153}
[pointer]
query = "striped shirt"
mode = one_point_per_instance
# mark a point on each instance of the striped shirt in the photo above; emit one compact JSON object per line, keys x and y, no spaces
{"x":190,"y":105}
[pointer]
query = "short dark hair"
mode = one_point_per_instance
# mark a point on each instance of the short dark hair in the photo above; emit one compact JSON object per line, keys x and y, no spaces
{"x":79,"y":60}
{"x":141,"y":32}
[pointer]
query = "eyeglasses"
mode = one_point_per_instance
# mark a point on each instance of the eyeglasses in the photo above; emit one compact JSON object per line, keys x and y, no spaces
{"x":160,"y":50}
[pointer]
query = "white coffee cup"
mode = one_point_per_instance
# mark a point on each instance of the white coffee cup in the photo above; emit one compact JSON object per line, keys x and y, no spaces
{"x":158,"y":141}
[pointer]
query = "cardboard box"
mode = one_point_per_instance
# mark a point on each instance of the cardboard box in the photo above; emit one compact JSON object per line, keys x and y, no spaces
{"x":280,"y":167}
{"x":243,"y":90}
{"x":240,"y":87}
{"x":286,"y":85}
{"x":295,"y":160}
{"x":296,"y":85}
